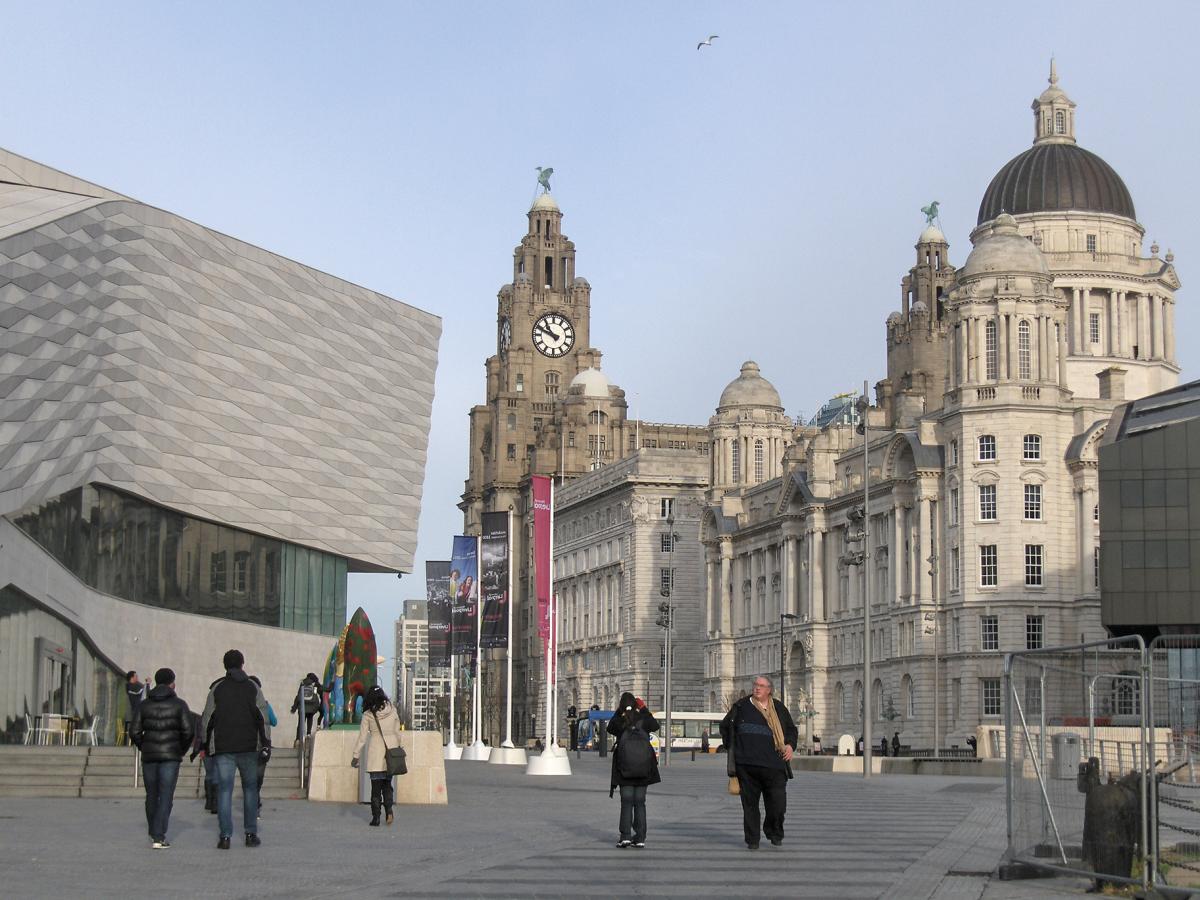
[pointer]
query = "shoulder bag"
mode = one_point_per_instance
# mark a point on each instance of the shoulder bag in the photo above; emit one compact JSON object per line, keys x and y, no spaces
{"x":735,"y":786}
{"x":393,"y":756}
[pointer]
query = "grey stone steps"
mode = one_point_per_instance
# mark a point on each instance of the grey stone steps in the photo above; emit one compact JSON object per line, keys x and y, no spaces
{"x":11,"y":779}
{"x":39,"y":790}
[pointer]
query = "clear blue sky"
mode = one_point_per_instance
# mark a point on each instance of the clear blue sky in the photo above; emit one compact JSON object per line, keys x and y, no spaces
{"x":757,"y":200}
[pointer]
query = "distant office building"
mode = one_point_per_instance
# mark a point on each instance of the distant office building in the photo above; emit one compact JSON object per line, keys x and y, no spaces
{"x":1150,"y":515}
{"x":412,"y":647}
{"x":200,"y":440}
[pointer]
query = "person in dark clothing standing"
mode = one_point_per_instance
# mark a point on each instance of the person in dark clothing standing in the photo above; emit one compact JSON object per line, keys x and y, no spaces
{"x":235,"y":727}
{"x":310,"y":694}
{"x":883,"y":746}
{"x":210,"y":770}
{"x":134,"y":691}
{"x":162,"y":729}
{"x":634,"y":766}
{"x":896,"y":744}
{"x":759,"y":731}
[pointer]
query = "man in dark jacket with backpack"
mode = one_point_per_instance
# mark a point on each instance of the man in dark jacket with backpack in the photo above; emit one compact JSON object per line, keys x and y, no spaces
{"x":235,"y":728}
{"x":761,"y":738}
{"x":634,"y":766}
{"x":162,"y":729}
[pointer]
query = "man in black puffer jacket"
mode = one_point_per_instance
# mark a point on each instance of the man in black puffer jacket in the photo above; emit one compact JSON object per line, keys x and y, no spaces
{"x":162,"y":728}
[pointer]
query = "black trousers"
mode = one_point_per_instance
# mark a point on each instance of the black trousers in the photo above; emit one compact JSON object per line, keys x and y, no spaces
{"x":633,"y":812}
{"x":771,"y":785}
{"x":381,"y":796}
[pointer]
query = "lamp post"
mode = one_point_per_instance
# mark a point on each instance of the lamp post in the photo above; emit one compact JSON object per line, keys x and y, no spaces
{"x":863,"y":405}
{"x":933,"y":618}
{"x":782,"y":673}
{"x":665,"y":621}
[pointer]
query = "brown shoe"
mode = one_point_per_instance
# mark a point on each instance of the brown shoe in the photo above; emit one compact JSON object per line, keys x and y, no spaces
{"x":390,"y":818}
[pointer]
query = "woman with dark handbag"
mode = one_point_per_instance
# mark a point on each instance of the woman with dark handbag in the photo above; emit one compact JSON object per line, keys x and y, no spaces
{"x":634,"y":766}
{"x":381,"y":724}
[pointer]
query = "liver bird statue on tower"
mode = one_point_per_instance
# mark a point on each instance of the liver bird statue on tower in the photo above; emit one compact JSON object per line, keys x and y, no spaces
{"x":931,"y":212}
{"x":544,"y":178}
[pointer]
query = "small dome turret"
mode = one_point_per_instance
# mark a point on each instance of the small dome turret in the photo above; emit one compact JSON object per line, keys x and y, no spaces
{"x":545,"y":201}
{"x":750,"y":389}
{"x":1002,"y":249}
{"x":593,"y":382}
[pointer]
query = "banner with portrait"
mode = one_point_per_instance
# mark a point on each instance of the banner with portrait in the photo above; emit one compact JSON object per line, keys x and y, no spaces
{"x":437,"y":609}
{"x":464,"y":594}
{"x":493,"y":566}
{"x":542,"y":498}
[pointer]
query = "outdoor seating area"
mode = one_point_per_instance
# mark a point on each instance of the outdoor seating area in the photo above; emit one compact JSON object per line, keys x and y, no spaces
{"x":58,"y":729}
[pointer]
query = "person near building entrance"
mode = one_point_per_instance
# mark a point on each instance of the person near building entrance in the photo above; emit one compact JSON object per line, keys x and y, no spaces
{"x":634,"y":766}
{"x":162,"y":729}
{"x":310,"y":695}
{"x":134,"y":691}
{"x":760,"y":733}
{"x":235,"y":727}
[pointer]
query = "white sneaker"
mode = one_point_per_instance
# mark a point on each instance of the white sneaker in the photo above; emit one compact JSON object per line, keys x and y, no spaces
{"x":624,"y":843}
{"x":160,"y":845}
{"x":640,"y":844}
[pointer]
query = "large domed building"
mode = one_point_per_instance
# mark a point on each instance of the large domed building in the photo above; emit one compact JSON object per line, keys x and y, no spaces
{"x":1001,"y":378}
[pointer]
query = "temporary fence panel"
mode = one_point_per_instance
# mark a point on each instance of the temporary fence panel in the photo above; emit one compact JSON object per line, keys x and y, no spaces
{"x":1075,"y":748}
{"x":1174,"y":708}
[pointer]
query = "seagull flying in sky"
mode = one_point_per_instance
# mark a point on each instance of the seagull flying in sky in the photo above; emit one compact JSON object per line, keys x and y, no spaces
{"x":708,"y":43}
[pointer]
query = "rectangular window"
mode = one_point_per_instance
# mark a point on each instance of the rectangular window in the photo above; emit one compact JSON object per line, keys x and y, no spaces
{"x":512,"y":451}
{"x":1033,"y":502}
{"x":988,"y":574}
{"x":666,"y":507}
{"x":216,"y":572}
{"x":1033,"y":697}
{"x":953,"y":506}
{"x":1033,"y":565}
{"x":989,"y":632}
{"x":954,"y":452}
{"x":990,"y":691}
{"x":520,"y":383}
{"x":1091,"y":243}
{"x":1035,"y":630}
{"x":954,"y":569}
{"x":987,"y":446}
{"x":1032,"y":447}
{"x":987,"y":502}
{"x":537,"y":425}
{"x":1094,"y":327}
{"x":668,"y":542}
{"x":666,"y":580}
{"x":1095,"y":567}
{"x":241,"y":563}
{"x":991,"y":347}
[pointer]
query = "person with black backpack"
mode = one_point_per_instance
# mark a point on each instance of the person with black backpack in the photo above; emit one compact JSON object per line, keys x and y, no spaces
{"x":634,"y":766}
{"x":310,"y":694}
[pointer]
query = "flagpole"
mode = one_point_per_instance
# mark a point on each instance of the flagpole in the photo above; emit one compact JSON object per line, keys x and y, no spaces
{"x":478,"y":637}
{"x":550,"y":636}
{"x":509,"y":656}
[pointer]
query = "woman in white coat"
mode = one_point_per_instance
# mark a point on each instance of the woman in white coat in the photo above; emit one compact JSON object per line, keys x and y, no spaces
{"x":381,"y":722}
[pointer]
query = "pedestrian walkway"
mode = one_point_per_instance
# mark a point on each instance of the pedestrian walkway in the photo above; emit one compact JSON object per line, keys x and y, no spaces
{"x":506,"y":834}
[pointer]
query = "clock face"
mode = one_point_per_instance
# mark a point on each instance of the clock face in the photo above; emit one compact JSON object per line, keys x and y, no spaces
{"x":553,"y":335}
{"x":505,"y":333}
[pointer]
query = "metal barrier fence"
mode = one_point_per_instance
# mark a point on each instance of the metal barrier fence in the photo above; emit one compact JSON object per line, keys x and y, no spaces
{"x":1101,"y":742}
{"x":1174,"y":706}
{"x":1076,"y":744}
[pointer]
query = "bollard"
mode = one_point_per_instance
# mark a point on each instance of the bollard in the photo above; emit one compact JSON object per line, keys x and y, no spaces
{"x":693,"y":754}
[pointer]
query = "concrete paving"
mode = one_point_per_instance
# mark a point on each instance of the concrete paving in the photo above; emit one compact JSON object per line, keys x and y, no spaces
{"x":505,"y":834}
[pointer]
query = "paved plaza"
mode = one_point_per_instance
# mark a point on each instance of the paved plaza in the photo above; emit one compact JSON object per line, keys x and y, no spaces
{"x":505,"y":834}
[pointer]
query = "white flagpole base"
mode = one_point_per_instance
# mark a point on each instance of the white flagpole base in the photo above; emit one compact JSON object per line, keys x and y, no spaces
{"x":477,"y":751}
{"x":552,"y":761}
{"x":508,"y":756}
{"x":452,"y":751}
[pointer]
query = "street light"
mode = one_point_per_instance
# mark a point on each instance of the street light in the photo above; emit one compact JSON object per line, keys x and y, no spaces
{"x":665,"y":621}
{"x":782,"y":674}
{"x":863,"y":405}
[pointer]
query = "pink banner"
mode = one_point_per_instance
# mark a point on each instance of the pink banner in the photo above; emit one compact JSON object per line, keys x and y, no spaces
{"x":541,"y":552}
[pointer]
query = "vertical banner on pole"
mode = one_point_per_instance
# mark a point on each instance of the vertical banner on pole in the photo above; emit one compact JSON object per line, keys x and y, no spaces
{"x":494,"y":563}
{"x":437,"y":605}
{"x":541,"y":553}
{"x":463,"y":590}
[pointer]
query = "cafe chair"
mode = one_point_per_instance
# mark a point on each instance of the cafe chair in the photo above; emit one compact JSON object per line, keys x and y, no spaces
{"x":90,"y":732}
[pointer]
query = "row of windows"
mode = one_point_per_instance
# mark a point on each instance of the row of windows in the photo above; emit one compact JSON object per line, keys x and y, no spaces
{"x":759,"y":455}
{"x":989,"y":510}
{"x":989,"y":632}
{"x":1024,"y":350}
{"x":1031,"y":448}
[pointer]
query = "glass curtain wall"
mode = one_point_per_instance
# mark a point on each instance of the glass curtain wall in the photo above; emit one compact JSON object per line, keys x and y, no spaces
{"x":124,"y":546}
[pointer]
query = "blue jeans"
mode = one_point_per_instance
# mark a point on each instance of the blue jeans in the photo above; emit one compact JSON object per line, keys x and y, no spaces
{"x":246,"y":765}
{"x":160,"y":778}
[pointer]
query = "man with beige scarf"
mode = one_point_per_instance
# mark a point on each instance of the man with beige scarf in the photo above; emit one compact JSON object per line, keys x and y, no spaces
{"x":760,"y":734}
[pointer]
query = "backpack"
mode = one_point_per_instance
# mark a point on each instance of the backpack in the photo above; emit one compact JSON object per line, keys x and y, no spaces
{"x":635,"y":756}
{"x":309,"y":693}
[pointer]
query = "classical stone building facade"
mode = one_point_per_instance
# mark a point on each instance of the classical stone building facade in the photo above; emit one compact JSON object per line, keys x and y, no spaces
{"x":983,"y":518}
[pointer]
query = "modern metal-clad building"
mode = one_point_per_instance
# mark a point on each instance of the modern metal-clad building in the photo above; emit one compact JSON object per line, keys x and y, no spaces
{"x":199,"y":441}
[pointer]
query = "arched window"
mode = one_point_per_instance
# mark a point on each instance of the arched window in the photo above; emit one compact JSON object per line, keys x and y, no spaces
{"x":1024,"y":354}
{"x":596,"y":417}
{"x":758,"y":461}
{"x":551,"y":384}
{"x":987,"y":447}
{"x":839,"y":701}
{"x":1060,"y":122}
{"x":737,"y":463}
{"x":1031,"y":447}
{"x":549,"y":271}
{"x":990,"y":350}
{"x":910,"y":697}
{"x":1126,"y":694}
{"x":877,"y":699}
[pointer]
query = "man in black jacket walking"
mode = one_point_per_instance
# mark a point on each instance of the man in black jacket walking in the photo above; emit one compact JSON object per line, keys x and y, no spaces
{"x":162,"y":728}
{"x":235,"y":727}
{"x":761,"y":737}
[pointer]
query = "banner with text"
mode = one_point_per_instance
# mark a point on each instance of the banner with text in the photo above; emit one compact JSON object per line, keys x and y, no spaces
{"x":464,"y":594}
{"x":542,"y":497}
{"x":494,"y":568}
{"x":437,"y":608}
